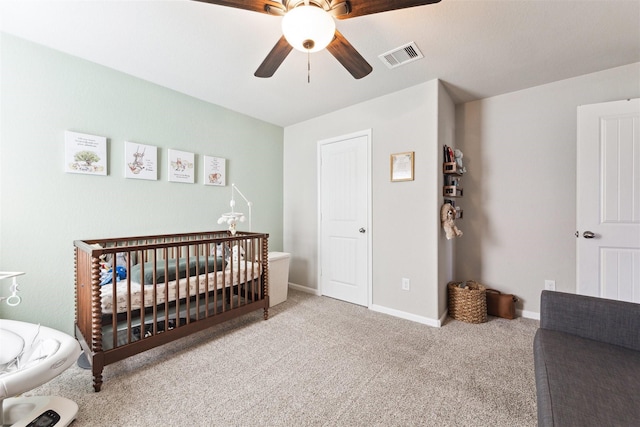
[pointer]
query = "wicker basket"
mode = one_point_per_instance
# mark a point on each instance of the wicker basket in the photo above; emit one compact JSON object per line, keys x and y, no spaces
{"x":468,"y":304}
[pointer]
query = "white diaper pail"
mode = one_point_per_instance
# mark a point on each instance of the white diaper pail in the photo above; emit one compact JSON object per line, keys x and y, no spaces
{"x":278,"y":277}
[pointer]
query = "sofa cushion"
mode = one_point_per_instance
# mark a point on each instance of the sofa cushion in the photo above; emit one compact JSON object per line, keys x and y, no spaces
{"x":582,"y":382}
{"x":600,"y":319}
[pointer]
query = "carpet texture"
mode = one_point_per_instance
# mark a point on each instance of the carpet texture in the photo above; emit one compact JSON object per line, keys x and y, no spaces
{"x":319,"y":362}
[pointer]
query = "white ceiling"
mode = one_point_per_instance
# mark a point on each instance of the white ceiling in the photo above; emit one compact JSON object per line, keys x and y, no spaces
{"x":478,"y":48}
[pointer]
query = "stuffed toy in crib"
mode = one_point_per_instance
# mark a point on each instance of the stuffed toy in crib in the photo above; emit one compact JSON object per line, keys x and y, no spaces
{"x":447,"y":215}
{"x":237,"y":254}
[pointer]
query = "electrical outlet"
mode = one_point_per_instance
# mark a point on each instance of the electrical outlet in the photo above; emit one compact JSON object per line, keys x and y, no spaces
{"x":550,"y":285}
{"x":406,"y":284}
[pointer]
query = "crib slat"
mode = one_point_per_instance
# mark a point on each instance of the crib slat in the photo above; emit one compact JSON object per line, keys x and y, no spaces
{"x":197,"y":280}
{"x":166,"y":287}
{"x":129,"y":316}
{"x":154,"y":324}
{"x":184,"y":253}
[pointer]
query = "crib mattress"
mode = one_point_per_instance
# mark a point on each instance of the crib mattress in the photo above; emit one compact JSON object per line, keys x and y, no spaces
{"x":228,"y":277}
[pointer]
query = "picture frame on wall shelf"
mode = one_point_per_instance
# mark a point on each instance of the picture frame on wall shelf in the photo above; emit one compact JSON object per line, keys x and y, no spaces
{"x":402,"y":166}
{"x":85,"y":153}
{"x":215,"y":171}
{"x":181,"y":166}
{"x":141,"y":161}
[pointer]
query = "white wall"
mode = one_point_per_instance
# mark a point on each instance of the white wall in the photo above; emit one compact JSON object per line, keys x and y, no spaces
{"x":405,"y":229}
{"x":43,"y":210}
{"x":519,"y":201}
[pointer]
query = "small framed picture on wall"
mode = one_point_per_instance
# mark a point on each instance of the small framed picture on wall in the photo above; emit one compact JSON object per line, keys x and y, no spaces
{"x":84,"y":153}
{"x":141,"y":161}
{"x":402,"y":166}
{"x":215,"y":171}
{"x":181,"y":166}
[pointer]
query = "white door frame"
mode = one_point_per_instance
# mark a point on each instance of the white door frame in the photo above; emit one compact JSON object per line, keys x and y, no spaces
{"x":366,"y":133}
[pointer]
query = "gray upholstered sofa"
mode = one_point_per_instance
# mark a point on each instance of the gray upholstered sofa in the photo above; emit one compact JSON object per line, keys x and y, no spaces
{"x":587,"y":361}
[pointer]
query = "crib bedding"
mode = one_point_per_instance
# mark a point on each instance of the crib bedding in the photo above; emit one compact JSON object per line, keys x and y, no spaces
{"x":197,"y":266}
{"x":233,"y":275}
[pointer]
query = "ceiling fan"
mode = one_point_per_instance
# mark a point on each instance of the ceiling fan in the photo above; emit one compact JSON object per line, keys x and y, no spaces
{"x":309,"y":26}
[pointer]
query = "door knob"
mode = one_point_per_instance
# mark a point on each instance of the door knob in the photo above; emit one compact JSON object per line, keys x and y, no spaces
{"x":362,"y":230}
{"x":588,"y":235}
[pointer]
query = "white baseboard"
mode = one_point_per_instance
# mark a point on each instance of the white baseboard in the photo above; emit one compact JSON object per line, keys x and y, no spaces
{"x":444,"y":317}
{"x":381,"y":309}
{"x":528,"y":314}
{"x":305,"y":289}
{"x":408,"y":316}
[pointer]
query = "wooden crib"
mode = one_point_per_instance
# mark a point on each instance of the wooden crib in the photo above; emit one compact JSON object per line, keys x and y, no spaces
{"x":175,"y":285}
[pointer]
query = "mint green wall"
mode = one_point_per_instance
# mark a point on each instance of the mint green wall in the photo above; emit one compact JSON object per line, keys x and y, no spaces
{"x":43,"y":209}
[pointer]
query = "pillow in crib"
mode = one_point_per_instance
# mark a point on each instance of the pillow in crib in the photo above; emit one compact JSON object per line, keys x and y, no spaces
{"x":209,"y":264}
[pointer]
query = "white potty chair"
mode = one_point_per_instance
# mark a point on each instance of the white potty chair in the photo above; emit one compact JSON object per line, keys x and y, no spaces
{"x":31,"y":355}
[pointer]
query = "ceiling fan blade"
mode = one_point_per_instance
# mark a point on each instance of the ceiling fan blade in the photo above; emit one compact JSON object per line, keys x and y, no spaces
{"x":274,"y":58}
{"x":368,"y":7}
{"x":349,"y":57}
{"x":263,"y":6}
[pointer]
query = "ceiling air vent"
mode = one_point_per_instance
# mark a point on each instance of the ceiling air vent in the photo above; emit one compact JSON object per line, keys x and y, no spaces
{"x":401,"y":55}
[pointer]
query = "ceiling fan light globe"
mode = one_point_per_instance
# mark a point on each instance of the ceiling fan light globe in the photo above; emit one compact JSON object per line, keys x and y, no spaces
{"x":308,"y":23}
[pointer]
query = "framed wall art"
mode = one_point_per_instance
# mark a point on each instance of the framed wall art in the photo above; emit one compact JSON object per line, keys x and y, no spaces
{"x":214,"y":170}
{"x":84,"y":153}
{"x":402,"y":166}
{"x":141,"y":161}
{"x":181,"y":166}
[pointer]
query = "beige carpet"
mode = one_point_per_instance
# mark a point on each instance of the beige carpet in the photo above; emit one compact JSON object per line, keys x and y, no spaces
{"x":319,"y":362}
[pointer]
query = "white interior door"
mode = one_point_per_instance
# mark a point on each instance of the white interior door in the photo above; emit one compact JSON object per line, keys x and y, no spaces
{"x":608,"y":205}
{"x":344,"y":218}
